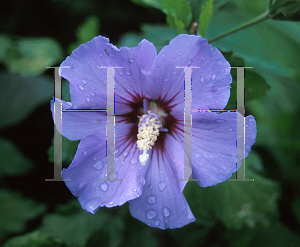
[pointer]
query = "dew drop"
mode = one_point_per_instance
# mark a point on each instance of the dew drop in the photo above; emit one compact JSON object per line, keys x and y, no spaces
{"x":151,"y":199}
{"x":125,"y":153}
{"x":246,"y":125}
{"x":251,"y":119}
{"x":93,"y":88}
{"x":84,"y":81}
{"x":97,"y":188}
{"x":100,"y":54}
{"x":111,"y":203}
{"x":104,"y":186}
{"x":230,"y":129}
{"x":98,"y":166}
{"x":189,"y":62}
{"x":123,"y":162}
{"x":174,"y":73}
{"x":150,"y":186}
{"x":166,"y":79}
{"x":69,"y":104}
{"x":202,"y":58}
{"x":127,"y":72}
{"x":95,"y":158}
{"x":133,"y":161}
{"x":157,"y":68}
{"x":202,"y":79}
{"x":87,"y":99}
{"x":112,"y":176}
{"x":92,"y":94}
{"x":162,"y":55}
{"x":213,"y":77}
{"x":80,"y":87}
{"x":84,"y":152}
{"x":179,"y":53}
{"x":157,"y":222}
{"x":149,"y":224}
{"x":131,"y":60}
{"x":151,"y":214}
{"x":142,"y":180}
{"x":120,"y":72}
{"x":110,"y":54}
{"x":220,"y":120}
{"x":162,"y":186}
{"x":166,"y":212}
{"x":116,"y":151}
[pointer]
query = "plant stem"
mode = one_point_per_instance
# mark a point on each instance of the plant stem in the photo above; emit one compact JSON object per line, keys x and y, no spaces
{"x":254,"y":21}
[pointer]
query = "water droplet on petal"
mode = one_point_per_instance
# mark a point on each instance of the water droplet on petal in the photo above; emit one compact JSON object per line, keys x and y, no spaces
{"x":251,"y":119}
{"x":80,"y":87}
{"x":213,"y":77}
{"x":112,"y":176}
{"x":87,"y":99}
{"x":157,"y":222}
{"x":93,"y":88}
{"x":189,"y":62}
{"x":142,"y":180}
{"x":92,"y":94}
{"x":104,"y":186}
{"x":230,"y":129}
{"x":97,"y":188}
{"x":125,"y":153}
{"x":133,"y":161}
{"x":202,"y":79}
{"x":111,"y":203}
{"x":162,"y":55}
{"x":149,"y":224}
{"x":116,"y":151}
{"x":157,"y":68}
{"x":98,"y":166}
{"x":151,"y":199}
{"x":162,"y":186}
{"x":150,"y":186}
{"x":246,"y":125}
{"x":84,"y":152}
{"x":100,"y":54}
{"x":166,"y":79}
{"x":127,"y":72}
{"x":179,"y":53}
{"x":84,"y":81}
{"x":95,"y":158}
{"x":110,"y":54}
{"x":131,"y":60}
{"x":151,"y":214}
{"x":220,"y":120}
{"x":202,"y":58}
{"x":120,"y":72}
{"x":174,"y":73}
{"x":166,"y":212}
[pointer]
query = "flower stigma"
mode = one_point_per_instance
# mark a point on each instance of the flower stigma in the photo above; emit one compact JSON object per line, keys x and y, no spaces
{"x":148,"y":130}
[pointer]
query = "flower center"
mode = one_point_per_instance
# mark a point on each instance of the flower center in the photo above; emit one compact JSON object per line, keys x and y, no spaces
{"x":148,"y":130}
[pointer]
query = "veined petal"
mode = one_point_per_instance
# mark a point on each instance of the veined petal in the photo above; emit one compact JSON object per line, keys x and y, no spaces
{"x":162,"y":203}
{"x":77,"y":125}
{"x":210,"y":82}
{"x":89,"y":165}
{"x":88,"y":81}
{"x":215,"y":145}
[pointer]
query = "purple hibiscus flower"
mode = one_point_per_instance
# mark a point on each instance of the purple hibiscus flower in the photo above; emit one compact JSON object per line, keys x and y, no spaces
{"x":149,"y":126}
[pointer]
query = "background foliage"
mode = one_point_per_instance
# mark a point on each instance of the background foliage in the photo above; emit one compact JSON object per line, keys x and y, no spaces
{"x":35,"y":34}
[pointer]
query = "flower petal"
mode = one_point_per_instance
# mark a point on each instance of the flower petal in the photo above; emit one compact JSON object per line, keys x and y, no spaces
{"x":88,"y":81}
{"x":215,"y":145}
{"x":162,"y":203}
{"x":210,"y":82}
{"x":89,"y":165}
{"x":77,"y":125}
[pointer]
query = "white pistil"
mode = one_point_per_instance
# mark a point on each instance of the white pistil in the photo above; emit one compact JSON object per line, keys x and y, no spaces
{"x":148,"y":132}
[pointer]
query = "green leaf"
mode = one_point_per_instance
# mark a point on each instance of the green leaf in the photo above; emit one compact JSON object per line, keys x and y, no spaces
{"x":75,"y":226}
{"x":34,"y":239}
{"x":31,"y":56}
{"x":159,"y":35}
{"x":207,"y":11}
{"x":12,"y":161}
{"x":236,"y":204}
{"x":179,"y":14}
{"x":21,"y":95}
{"x":86,"y":31}
{"x":275,"y":236}
{"x":15,"y":211}
{"x":256,"y":87}
{"x":68,"y":151}
{"x":152,"y":3}
{"x":261,"y":46}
